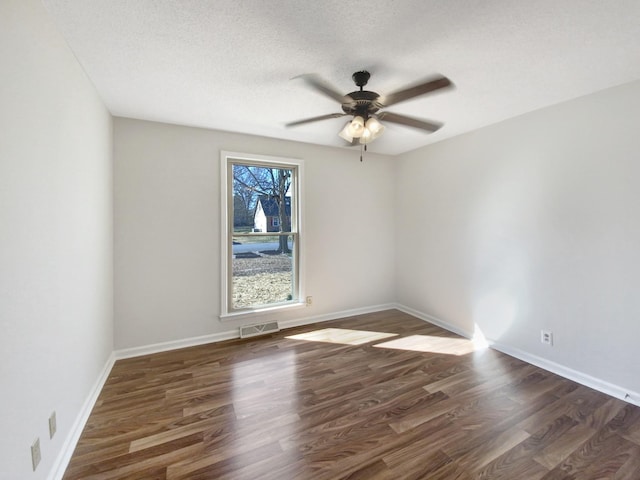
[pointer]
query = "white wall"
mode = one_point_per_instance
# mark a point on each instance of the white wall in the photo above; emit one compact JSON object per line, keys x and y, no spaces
{"x":56,"y":327}
{"x":533,"y":223}
{"x":167,"y":224}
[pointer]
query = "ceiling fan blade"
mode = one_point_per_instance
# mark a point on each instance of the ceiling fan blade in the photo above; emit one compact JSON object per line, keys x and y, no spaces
{"x":315,"y":119}
{"x":431,"y":85}
{"x":409,"y":121}
{"x":317,"y":83}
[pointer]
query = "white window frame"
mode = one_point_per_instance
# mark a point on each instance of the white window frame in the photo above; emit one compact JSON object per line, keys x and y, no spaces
{"x":226,"y":233}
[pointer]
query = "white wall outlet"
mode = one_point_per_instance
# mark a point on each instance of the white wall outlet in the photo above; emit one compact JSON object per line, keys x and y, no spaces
{"x":309,"y":301}
{"x":546,"y":337}
{"x":53,"y":424}
{"x":35,"y":454}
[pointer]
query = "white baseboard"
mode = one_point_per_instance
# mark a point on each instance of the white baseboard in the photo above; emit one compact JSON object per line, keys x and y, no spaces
{"x":175,"y":344}
{"x":69,"y":445}
{"x":553,"y":367}
{"x":70,"y":442}
{"x":433,"y":320}
{"x":569,"y":373}
{"x":235,"y":333}
{"x":62,"y":460}
{"x":336,"y":315}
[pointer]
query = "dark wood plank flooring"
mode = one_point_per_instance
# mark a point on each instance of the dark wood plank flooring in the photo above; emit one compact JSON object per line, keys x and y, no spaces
{"x":338,"y":401}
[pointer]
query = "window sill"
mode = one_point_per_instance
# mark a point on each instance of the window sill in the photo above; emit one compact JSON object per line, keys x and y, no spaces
{"x":260,"y":312}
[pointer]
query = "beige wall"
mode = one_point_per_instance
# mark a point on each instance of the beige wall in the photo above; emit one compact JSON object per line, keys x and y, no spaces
{"x":167,"y":221}
{"x":56,"y":283}
{"x":528,"y":224}
{"x":533,"y":224}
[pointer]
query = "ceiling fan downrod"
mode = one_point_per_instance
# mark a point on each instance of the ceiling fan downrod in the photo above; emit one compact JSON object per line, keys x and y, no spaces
{"x":361,"y":78}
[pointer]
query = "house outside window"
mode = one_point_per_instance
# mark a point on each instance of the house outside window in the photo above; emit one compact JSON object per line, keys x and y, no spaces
{"x":267,"y":214}
{"x":261,"y":233}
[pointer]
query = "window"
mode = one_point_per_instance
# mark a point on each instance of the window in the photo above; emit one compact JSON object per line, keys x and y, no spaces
{"x":261,"y":247}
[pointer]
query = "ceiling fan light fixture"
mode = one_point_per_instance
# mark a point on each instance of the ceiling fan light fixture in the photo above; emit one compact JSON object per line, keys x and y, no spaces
{"x":372,"y":130}
{"x":344,"y":133}
{"x":364,"y":106}
{"x":366,"y":136}
{"x":356,"y":127}
{"x":375,"y":127}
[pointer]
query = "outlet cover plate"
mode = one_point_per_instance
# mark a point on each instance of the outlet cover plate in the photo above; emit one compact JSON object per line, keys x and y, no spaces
{"x":53,"y":425}
{"x":35,"y":454}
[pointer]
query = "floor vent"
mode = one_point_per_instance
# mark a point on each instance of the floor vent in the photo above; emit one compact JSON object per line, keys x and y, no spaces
{"x":247,"y":331}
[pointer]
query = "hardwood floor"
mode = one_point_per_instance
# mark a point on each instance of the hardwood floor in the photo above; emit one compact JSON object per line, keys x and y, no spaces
{"x":339,"y":400}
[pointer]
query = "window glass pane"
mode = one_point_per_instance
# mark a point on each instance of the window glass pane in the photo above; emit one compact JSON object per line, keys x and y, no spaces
{"x":261,"y":198}
{"x":261,"y":218}
{"x":262,"y":272}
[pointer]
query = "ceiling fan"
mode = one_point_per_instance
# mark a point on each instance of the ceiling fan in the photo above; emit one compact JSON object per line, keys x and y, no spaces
{"x":364,"y":106}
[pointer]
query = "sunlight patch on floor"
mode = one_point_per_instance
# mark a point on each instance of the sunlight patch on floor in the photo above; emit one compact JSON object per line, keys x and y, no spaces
{"x":342,"y":336}
{"x":432,"y":344}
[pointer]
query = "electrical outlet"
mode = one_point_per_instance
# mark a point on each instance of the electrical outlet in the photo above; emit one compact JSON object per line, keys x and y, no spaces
{"x":546,"y":337}
{"x":53,"y":425}
{"x":309,"y":301}
{"x":35,"y":454}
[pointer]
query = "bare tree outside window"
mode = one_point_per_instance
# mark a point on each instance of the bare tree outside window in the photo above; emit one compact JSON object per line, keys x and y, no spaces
{"x":272,"y":183}
{"x":263,"y":260}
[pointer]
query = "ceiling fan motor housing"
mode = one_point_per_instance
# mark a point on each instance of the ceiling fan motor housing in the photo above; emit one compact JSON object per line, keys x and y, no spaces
{"x":363,"y":103}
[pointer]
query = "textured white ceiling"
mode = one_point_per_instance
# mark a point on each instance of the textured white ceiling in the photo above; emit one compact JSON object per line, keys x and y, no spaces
{"x":228,"y":64}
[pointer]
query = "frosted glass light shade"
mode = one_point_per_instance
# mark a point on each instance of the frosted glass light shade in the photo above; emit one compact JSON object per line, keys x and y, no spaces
{"x":344,"y":133}
{"x":375,"y":127}
{"x":356,"y":127}
{"x":366,"y":136}
{"x":366,"y":132}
